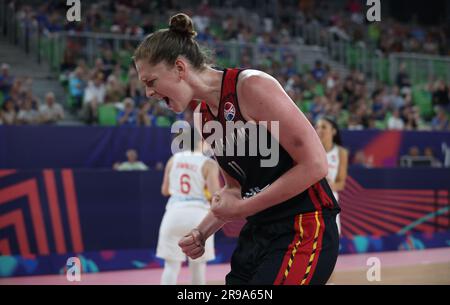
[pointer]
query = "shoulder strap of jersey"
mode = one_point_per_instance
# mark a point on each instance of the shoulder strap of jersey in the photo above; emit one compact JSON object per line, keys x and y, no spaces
{"x":229,"y":106}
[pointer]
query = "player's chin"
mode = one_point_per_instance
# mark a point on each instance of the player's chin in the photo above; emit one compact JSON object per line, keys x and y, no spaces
{"x":178,"y":107}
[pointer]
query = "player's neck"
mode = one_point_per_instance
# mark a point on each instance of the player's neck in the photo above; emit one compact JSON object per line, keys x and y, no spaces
{"x":328,"y":146}
{"x":207,"y":86}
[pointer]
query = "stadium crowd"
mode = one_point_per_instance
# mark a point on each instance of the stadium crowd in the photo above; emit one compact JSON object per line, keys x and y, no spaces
{"x":108,"y":91}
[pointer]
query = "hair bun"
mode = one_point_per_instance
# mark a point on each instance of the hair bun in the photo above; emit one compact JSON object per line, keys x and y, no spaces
{"x":182,"y":24}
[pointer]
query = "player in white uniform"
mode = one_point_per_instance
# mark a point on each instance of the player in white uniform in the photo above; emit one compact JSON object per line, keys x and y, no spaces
{"x":330,"y":137}
{"x":185,"y":178}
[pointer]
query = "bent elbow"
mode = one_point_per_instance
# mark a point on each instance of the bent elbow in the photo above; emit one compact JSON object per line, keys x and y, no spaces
{"x":165,"y":192}
{"x":320,"y":169}
{"x":340,"y":186}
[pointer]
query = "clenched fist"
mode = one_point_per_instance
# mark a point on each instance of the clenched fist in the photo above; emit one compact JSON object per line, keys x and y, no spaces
{"x":193,"y":244}
{"x":227,"y":204}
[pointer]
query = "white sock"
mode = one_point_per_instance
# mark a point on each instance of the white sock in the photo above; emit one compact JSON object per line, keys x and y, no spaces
{"x":170,"y":273}
{"x":198,"y":271}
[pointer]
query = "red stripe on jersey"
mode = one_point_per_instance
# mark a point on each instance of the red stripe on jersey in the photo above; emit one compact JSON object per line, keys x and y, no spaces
{"x":280,"y":279}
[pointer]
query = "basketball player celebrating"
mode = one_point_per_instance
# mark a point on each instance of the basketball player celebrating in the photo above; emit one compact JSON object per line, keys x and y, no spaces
{"x":186,"y":175}
{"x":291,"y":235}
{"x":337,"y":156}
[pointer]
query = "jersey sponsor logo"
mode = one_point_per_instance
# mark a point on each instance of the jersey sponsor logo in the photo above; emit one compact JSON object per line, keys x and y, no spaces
{"x":253,"y":191}
{"x":229,"y":111}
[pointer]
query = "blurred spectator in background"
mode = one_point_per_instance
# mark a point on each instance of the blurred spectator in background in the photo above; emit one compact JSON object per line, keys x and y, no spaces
{"x":69,"y":60}
{"x":360,"y":160}
{"x":354,"y":122}
{"x":159,"y":166}
{"x":108,"y":62}
{"x":127,"y":116}
{"x":6,"y":80}
{"x":132,"y":164}
{"x":94,"y":95}
{"x":98,"y":68}
{"x":413,"y":151}
{"x":76,"y":87}
{"x":430,"y":46}
{"x":415,"y":159}
{"x":51,"y":112}
{"x":396,"y":99}
{"x":413,"y":119}
{"x":441,"y":95}
{"x":428,"y":152}
{"x":134,"y":88}
{"x":290,"y":69}
{"x":378,"y":108}
{"x":9,"y":114}
{"x":403,"y":80}
{"x":440,"y":121}
{"x":27,"y":94}
{"x":134,"y":30}
{"x":395,"y":121}
{"x":15,"y":90}
{"x":318,"y":72}
{"x":163,"y":116}
{"x":95,"y":89}
{"x":145,"y":116}
{"x":114,"y":90}
{"x":27,"y":114}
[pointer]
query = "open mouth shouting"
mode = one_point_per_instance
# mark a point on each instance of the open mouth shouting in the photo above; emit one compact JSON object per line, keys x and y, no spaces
{"x":167,"y":100}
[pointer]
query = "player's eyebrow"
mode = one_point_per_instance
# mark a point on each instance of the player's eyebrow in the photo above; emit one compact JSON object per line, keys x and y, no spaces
{"x":146,"y":78}
{"x":149,"y":81}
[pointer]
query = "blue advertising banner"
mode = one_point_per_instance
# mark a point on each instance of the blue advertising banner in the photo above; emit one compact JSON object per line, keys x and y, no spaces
{"x":111,"y":219}
{"x":36,"y":147}
{"x":385,"y":148}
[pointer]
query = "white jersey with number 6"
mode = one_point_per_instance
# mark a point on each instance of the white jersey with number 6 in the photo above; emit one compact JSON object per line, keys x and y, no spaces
{"x":186,"y":181}
{"x":186,"y":208}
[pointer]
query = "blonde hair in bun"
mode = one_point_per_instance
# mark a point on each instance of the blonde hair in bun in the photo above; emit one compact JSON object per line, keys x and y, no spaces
{"x":167,"y":44}
{"x":182,"y":24}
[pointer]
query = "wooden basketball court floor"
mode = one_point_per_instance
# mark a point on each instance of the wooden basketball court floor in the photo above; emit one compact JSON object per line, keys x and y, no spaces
{"x":422,"y":267}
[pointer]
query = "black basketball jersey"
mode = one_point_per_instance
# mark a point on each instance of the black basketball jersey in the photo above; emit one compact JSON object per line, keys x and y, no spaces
{"x":247,"y":169}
